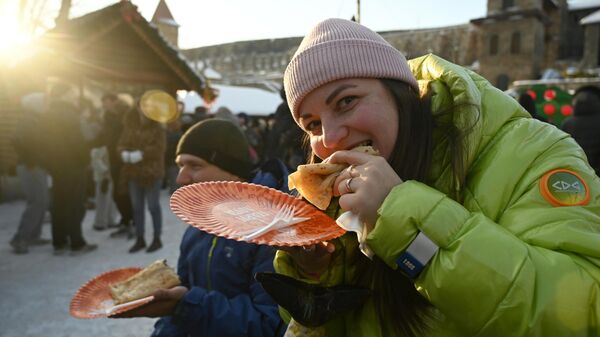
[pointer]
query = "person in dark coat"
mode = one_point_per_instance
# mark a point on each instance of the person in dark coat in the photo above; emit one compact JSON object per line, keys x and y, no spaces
{"x":112,"y":127}
{"x":285,"y":139}
{"x":66,"y":157}
{"x":142,"y":149}
{"x":528,"y":103}
{"x":173,"y":135}
{"x":584,"y":125}
{"x":32,"y":176}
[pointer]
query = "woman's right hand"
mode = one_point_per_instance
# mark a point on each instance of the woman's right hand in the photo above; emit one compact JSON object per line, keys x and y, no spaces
{"x":312,"y":260}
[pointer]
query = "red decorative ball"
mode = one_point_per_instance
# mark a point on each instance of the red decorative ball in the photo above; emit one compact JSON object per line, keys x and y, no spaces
{"x":549,"y":109}
{"x":549,"y":94}
{"x":566,"y":110}
{"x":532,"y":94}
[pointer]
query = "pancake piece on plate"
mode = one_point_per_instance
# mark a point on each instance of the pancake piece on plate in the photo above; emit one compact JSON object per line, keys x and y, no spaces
{"x":157,"y":275}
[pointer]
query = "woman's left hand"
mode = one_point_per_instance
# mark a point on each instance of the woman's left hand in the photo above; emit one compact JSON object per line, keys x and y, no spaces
{"x":312,"y":260}
{"x":364,"y":185}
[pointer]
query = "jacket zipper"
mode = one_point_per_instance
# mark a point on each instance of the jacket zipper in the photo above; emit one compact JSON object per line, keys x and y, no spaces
{"x":210,"y":255}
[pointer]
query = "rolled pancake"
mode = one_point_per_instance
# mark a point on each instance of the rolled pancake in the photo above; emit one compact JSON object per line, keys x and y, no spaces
{"x":315,"y":181}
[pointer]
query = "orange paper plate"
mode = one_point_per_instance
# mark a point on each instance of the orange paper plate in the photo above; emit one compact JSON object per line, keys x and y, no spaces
{"x":93,"y":299}
{"x":235,"y":209}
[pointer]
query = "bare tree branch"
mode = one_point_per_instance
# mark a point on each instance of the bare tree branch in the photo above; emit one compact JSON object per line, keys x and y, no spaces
{"x":63,"y":14}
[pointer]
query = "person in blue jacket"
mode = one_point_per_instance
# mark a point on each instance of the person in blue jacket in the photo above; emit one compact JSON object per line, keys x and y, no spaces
{"x":218,"y":295}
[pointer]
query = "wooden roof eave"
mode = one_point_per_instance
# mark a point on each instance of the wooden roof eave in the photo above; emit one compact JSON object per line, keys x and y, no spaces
{"x":101,"y":33}
{"x":164,"y":57}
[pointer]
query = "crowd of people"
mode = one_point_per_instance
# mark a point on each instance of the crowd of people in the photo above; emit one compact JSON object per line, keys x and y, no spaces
{"x":73,"y":156}
{"x":481,"y":220}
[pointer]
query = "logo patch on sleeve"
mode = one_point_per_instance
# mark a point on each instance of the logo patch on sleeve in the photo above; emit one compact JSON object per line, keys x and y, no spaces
{"x":564,"y":188}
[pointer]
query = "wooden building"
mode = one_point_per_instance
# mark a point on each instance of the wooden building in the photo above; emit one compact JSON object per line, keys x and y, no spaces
{"x":113,"y":49}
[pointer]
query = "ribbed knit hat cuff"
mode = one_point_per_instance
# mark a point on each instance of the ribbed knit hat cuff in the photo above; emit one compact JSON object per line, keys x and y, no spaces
{"x":239,"y":167}
{"x":338,"y":59}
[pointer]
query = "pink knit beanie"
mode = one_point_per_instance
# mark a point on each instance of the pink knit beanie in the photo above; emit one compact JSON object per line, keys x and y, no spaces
{"x":335,"y":49}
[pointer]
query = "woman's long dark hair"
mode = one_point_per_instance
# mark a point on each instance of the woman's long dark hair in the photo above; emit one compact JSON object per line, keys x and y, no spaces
{"x":398,"y":304}
{"x":400,"y":308}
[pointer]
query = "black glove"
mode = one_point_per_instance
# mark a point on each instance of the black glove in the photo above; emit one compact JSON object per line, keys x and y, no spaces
{"x":309,"y":304}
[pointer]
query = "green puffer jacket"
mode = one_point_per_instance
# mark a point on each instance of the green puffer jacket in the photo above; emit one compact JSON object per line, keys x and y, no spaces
{"x":509,"y":262}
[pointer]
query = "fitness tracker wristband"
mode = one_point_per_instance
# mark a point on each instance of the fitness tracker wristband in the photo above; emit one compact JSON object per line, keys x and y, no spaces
{"x":417,"y":255}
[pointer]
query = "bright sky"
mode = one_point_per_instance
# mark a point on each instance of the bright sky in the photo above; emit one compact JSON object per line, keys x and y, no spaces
{"x":220,"y":21}
{"x":210,"y":22}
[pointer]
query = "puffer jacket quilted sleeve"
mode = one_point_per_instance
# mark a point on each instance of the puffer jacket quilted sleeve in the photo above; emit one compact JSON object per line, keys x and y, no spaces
{"x":509,"y":262}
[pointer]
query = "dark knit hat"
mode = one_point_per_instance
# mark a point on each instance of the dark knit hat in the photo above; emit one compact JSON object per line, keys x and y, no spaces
{"x":220,"y":143}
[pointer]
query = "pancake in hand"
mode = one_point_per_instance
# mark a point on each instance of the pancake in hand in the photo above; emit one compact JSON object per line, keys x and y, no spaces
{"x":157,"y":275}
{"x":315,"y":181}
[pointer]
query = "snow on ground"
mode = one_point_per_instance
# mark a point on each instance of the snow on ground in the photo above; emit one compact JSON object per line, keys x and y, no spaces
{"x":36,"y":288}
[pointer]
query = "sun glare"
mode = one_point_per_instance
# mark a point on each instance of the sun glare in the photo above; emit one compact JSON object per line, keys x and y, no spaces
{"x":14,"y":42}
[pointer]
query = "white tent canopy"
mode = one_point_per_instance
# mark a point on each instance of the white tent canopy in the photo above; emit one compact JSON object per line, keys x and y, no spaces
{"x":591,"y":19}
{"x":252,"y":101}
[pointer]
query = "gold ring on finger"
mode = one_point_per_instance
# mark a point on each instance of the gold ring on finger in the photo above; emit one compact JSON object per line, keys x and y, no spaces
{"x":348,"y":188}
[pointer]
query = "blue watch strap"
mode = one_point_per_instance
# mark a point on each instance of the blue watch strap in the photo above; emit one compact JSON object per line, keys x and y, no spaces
{"x":417,"y":255}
